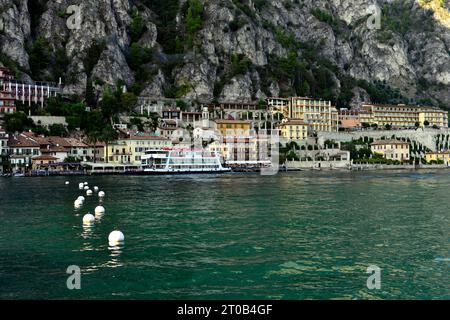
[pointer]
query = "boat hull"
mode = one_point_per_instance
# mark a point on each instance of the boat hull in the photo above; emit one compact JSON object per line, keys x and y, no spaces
{"x":175,"y":172}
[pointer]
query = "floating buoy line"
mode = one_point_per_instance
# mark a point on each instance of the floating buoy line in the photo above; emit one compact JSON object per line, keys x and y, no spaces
{"x":115,"y":238}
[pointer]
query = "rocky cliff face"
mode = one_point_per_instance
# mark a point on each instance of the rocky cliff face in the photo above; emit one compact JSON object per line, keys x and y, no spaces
{"x":235,"y":50}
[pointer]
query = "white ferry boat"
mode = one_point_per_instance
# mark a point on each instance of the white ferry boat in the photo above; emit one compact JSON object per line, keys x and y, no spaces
{"x":170,"y":161}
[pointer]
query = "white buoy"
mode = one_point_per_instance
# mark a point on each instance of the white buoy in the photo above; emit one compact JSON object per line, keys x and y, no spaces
{"x":88,"y":219}
{"x":100,"y":210}
{"x":96,"y":189}
{"x":81,"y":186}
{"x":101,"y":194}
{"x":78,"y":203}
{"x":86,"y":183}
{"x":67,"y":183}
{"x":116,"y":237}
{"x":81,"y":198}
{"x":86,"y":188}
{"x":89,"y":192}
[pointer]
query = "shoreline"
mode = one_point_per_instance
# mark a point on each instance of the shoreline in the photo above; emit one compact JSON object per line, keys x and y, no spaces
{"x":243,"y":171}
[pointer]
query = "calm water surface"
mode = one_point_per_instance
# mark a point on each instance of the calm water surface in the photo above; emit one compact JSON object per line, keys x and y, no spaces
{"x":236,"y":236}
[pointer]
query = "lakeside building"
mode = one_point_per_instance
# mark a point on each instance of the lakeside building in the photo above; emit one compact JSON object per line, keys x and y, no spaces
{"x":34,"y":92}
{"x":46,"y":166}
{"x":278,"y":105}
{"x":4,"y":137}
{"x":258,"y":114}
{"x":233,"y":127}
{"x":319,"y":115}
{"x":170,"y":114}
{"x":241,"y":145}
{"x":293,"y":129}
{"x":443,"y":156}
{"x":49,"y":148}
{"x":232,"y":106}
{"x":44,"y":160}
{"x":392,"y":149}
{"x":167,"y":128}
{"x":130,"y":150}
{"x":57,"y":152}
{"x":7,"y":102}
{"x":237,"y":110}
{"x":84,"y":151}
{"x":349,"y":119}
{"x":192,"y":118}
{"x":237,"y":145}
{"x":62,"y":148}
{"x":4,"y":149}
{"x":402,"y":116}
{"x":22,"y":149}
{"x":186,"y":117}
{"x":77,"y":149}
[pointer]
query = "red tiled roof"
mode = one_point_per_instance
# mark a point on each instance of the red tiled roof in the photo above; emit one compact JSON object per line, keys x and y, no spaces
{"x":54,"y":149}
{"x":147,"y":138}
{"x":59,"y":141}
{"x":44,"y":158}
{"x":72,"y":142}
{"x":390,"y":141}
{"x":23,"y":141}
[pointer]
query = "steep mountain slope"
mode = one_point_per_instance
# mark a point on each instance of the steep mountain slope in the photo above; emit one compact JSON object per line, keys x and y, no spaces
{"x":234,"y":50}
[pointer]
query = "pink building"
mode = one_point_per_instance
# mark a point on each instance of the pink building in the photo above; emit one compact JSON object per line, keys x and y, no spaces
{"x":7,"y":102}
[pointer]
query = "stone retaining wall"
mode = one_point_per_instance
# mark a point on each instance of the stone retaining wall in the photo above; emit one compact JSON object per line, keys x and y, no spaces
{"x":296,"y":165}
{"x":426,"y":137}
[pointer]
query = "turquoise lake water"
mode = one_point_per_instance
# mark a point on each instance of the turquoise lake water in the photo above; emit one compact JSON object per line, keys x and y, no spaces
{"x":233,"y":236}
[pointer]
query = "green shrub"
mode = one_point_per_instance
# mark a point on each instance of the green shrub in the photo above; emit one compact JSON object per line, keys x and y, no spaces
{"x":137,"y":56}
{"x":39,"y":54}
{"x":137,"y":27}
{"x":327,"y":18}
{"x":244,"y":8}
{"x":237,"y":24}
{"x":240,"y":64}
{"x":259,"y":4}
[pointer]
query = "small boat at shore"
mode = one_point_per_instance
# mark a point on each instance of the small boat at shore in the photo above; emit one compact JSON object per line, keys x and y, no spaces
{"x":18,"y":175}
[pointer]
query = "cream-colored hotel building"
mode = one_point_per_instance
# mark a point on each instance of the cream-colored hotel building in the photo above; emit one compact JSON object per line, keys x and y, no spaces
{"x":401,"y":116}
{"x":318,"y":115}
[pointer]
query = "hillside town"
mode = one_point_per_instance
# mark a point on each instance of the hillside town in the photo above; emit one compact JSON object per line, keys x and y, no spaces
{"x":301,"y":133}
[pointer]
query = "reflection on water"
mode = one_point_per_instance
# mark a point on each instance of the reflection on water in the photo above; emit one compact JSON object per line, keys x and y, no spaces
{"x":115,"y":253}
{"x":99,"y":216}
{"x":88,"y":230}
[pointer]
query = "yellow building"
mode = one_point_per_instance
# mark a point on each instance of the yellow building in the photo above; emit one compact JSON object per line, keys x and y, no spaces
{"x":240,"y":145}
{"x":349,"y":119}
{"x":293,"y":129}
{"x":317,"y":114}
{"x":438,"y":156}
{"x":130,"y":150}
{"x":392,"y":149}
{"x":403,"y":116}
{"x":234,"y":127}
